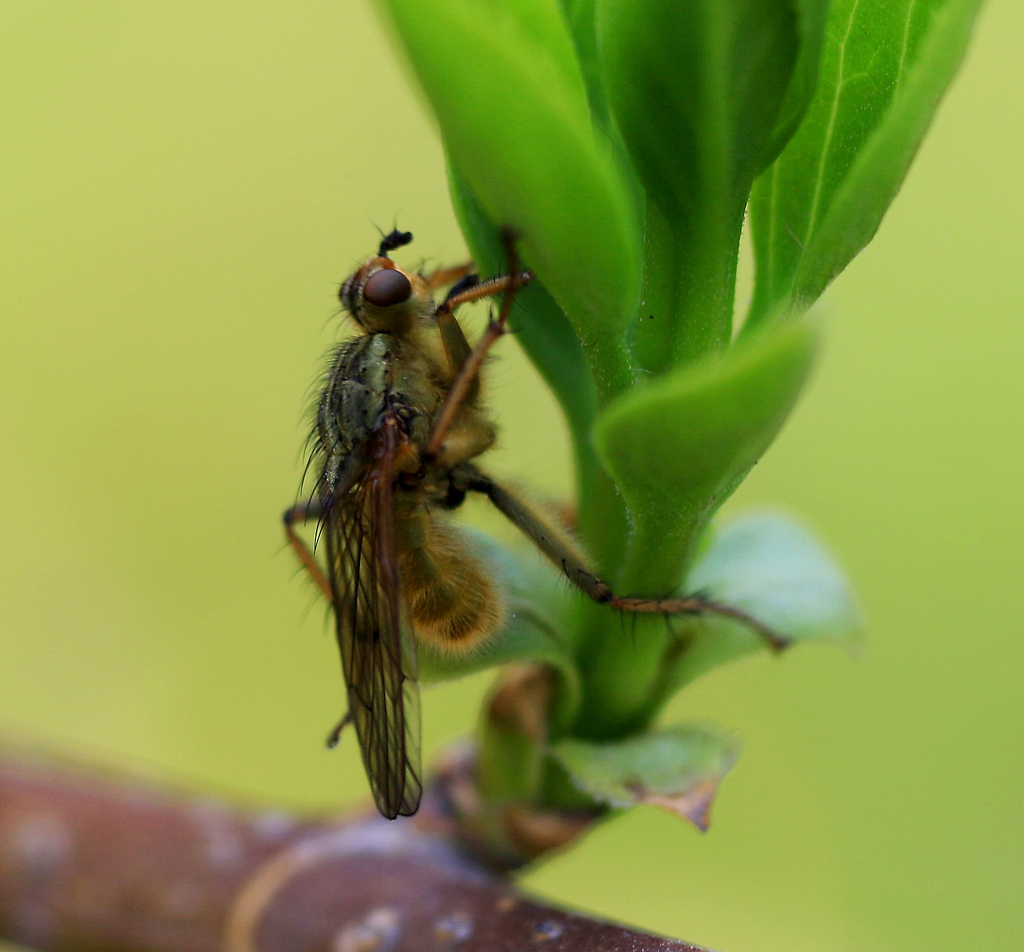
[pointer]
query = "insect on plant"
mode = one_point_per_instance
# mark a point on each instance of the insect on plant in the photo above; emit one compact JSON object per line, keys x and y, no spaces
{"x":399,"y":423}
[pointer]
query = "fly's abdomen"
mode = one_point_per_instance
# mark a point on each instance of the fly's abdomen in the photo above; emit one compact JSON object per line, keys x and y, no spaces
{"x":451,"y":601}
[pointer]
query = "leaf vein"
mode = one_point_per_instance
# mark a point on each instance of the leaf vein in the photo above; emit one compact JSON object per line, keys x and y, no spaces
{"x":900,"y":68}
{"x":773,"y":205}
{"x":826,"y":145}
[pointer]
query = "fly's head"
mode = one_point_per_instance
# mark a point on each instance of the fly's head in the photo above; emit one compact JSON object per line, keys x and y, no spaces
{"x":382,"y":297}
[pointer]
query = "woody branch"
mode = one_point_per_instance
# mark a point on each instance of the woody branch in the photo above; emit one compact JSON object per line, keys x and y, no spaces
{"x":95,"y":861}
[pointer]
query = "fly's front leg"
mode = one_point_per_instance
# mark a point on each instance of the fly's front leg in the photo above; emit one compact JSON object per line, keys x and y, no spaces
{"x":559,"y":546}
{"x":300,"y":514}
{"x":452,"y":336}
{"x":466,"y":363}
{"x":456,"y":346}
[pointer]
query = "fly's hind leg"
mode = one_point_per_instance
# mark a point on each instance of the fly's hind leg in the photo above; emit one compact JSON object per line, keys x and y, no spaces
{"x":300,"y":514}
{"x":559,"y":546}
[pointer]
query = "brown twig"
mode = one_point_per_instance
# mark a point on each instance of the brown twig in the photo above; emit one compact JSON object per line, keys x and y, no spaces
{"x":91,"y":862}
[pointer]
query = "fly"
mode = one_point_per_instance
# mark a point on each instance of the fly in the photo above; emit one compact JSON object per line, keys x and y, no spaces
{"x":400,"y":423}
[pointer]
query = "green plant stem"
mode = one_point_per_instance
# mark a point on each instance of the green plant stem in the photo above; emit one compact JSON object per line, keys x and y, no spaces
{"x":689,"y":288}
{"x":512,"y":734}
{"x":603,"y":525}
{"x":623,"y":664}
{"x":610,"y":362}
{"x":602,"y":520}
{"x":691,"y":285}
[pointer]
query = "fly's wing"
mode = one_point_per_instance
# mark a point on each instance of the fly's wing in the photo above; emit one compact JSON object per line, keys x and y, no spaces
{"x":378,"y":655}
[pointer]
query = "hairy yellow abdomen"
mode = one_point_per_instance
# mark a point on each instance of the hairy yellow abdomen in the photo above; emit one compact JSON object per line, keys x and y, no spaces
{"x":452,"y":603}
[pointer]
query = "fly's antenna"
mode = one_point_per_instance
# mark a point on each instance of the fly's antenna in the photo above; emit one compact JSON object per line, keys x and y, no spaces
{"x":396,"y":239}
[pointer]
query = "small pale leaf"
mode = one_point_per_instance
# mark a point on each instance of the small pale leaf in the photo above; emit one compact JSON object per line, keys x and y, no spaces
{"x":774,"y":569}
{"x":676,"y":768}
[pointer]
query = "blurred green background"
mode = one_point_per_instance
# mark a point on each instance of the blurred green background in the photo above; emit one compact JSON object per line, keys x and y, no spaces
{"x":183,"y":187}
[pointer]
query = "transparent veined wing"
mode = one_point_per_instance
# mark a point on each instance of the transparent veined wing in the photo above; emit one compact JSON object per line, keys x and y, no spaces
{"x":377,"y":648}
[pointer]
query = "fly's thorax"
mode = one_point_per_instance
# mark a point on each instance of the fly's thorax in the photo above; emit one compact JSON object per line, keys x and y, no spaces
{"x":417,"y":374}
{"x":354,"y":396}
{"x":452,"y":601}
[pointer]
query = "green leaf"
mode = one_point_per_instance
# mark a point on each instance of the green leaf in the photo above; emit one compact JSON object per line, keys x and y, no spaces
{"x":885,"y":66}
{"x":581,"y":18}
{"x":812,"y":15}
{"x":678,"y":447}
{"x":676,"y":768}
{"x":775,"y":570}
{"x":581,"y":15}
{"x":506,"y":88}
{"x":696,"y":87}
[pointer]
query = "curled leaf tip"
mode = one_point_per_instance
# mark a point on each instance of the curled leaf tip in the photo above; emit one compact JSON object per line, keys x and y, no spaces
{"x":693,"y":804}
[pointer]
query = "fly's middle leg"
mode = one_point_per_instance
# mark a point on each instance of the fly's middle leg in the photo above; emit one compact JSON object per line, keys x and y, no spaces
{"x":445,"y":276}
{"x":300,"y":514}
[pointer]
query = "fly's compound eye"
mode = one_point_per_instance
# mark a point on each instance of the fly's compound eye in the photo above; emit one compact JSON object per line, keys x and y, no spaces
{"x":386,"y":288}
